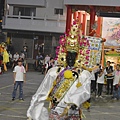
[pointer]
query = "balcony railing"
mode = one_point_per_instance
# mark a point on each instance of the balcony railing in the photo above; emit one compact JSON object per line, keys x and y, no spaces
{"x":28,"y":2}
{"x":44,"y":23}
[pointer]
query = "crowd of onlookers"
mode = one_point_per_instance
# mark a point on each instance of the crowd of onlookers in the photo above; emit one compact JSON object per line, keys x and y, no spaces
{"x":17,"y":57}
{"x":107,"y":78}
{"x":103,"y":77}
{"x":12,"y":56}
{"x":13,"y":59}
{"x":48,"y":62}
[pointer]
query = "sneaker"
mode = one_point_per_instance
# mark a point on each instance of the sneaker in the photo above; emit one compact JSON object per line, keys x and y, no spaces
{"x":13,"y":99}
{"x":115,"y":99}
{"x":21,"y":99}
{"x":100,"y":96}
{"x":97,"y":96}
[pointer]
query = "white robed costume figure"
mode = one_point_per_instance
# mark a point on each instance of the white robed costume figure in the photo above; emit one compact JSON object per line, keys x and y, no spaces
{"x":67,"y":86}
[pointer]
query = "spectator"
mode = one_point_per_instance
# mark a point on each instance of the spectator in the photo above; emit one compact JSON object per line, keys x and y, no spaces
{"x":10,"y":60}
{"x":38,"y":57}
{"x":11,"y":48}
{"x":109,"y":77}
{"x":25,"y":50}
{"x":19,"y":78}
{"x":95,"y":71}
{"x":25,"y":64}
{"x":116,"y":83}
{"x":22,"y":55}
{"x":40,"y":48}
{"x":92,"y":81}
{"x":15,"y":58}
{"x":100,"y":82}
{"x":49,"y":65}
{"x":47,"y":59}
{"x":55,"y":62}
{"x":10,"y":55}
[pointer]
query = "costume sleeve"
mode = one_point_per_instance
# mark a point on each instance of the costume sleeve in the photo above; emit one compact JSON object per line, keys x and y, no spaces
{"x":36,"y":106}
{"x":81,"y":94}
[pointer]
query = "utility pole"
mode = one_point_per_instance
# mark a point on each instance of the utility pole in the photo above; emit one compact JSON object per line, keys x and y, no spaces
{"x":2,"y":5}
{"x":1,"y":11}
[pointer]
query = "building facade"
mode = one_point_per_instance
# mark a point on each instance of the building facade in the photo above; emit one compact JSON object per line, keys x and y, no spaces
{"x":38,"y":23}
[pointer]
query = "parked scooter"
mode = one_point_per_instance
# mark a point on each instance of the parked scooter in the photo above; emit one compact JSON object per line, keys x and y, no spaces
{"x":40,"y":65}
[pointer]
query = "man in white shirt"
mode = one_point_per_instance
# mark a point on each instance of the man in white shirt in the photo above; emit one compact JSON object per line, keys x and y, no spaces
{"x":100,"y":81}
{"x":22,"y":55}
{"x":47,"y":59}
{"x":116,"y":83}
{"x":16,"y":56}
{"x":19,"y":79}
{"x":49,"y":65}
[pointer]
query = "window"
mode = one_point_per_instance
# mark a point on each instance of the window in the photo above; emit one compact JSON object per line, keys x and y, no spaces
{"x":25,"y":11}
{"x":58,"y":11}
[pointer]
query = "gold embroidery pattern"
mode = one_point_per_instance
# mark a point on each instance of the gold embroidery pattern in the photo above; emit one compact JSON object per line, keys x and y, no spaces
{"x":64,"y":88}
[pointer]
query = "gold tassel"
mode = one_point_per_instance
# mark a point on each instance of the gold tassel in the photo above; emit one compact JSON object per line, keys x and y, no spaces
{"x":65,"y":112}
{"x":50,"y":105}
{"x":78,"y":84}
{"x":86,"y":105}
{"x":81,"y":114}
{"x":54,"y":83}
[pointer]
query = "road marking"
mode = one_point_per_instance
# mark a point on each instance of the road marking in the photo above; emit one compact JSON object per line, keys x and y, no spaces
{"x":6,"y":108}
{"x":103,"y":106}
{"x":30,"y":88}
{"x":14,"y":116}
{"x":106,"y":113}
{"x":12,"y":85}
{"x":6,"y":87}
{"x":33,"y":83}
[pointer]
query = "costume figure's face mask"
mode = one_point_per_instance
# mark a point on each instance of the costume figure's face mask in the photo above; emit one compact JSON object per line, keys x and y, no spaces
{"x":70,"y":58}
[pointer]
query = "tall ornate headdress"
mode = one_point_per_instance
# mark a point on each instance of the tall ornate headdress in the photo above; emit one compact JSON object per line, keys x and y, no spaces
{"x":74,"y":42}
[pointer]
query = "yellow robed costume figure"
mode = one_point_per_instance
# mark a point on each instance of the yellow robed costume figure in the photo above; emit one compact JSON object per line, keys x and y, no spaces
{"x":5,"y":59}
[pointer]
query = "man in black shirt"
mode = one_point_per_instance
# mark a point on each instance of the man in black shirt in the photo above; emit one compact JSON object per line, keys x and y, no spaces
{"x":25,"y":50}
{"x":110,"y":77}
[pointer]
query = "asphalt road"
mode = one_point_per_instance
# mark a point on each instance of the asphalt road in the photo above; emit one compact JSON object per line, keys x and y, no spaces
{"x":101,"y":109}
